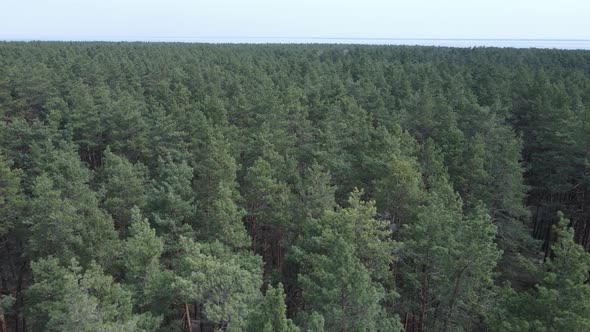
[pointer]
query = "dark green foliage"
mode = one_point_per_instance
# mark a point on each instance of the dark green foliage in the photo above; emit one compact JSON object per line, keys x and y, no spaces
{"x":563,"y":291}
{"x":11,"y":198}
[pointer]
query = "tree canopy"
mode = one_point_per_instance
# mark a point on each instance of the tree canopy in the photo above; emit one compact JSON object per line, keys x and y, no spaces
{"x":201,"y":187}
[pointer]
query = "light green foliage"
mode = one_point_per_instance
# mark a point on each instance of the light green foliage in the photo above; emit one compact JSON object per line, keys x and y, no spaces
{"x":6,"y":303}
{"x":172,"y":200}
{"x":64,"y":216}
{"x":267,"y":196}
{"x":312,"y":322}
{"x":397,"y":182}
{"x":218,"y":216}
{"x":448,"y":262}
{"x":60,"y":161}
{"x":270,"y":313}
{"x":269,"y":203}
{"x":141,"y":257}
{"x":506,"y":190}
{"x":125,"y":125}
{"x":370,"y":237}
{"x":65,"y":219}
{"x":54,"y":226}
{"x":399,"y":191}
{"x":31,"y":85}
{"x":211,"y":157}
{"x":344,"y":139}
{"x":18,"y":140}
{"x":342,"y":258}
{"x":223,"y":220}
{"x":338,"y":286}
{"x":226,"y":283}
{"x":124,"y":187}
{"x":315,"y":323}
{"x":432,"y":165}
{"x":472,"y":177}
{"x":316,"y":192}
{"x":84,"y":118}
{"x":166,"y":138}
{"x":70,"y":299}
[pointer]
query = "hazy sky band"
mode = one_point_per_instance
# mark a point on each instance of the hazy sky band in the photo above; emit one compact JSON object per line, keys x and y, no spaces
{"x":146,"y":19}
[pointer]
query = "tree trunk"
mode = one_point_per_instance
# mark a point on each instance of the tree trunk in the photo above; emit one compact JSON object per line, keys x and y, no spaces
{"x":453,"y":299}
{"x":3,"y":327}
{"x":187,"y":314}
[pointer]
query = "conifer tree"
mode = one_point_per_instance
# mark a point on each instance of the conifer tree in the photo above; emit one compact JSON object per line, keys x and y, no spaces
{"x":73,"y":299}
{"x":11,"y":198}
{"x":344,"y":257}
{"x":447,"y":263}
{"x":560,"y":301}
{"x":65,"y":218}
{"x":315,"y":192}
{"x":270,"y":314}
{"x":123,"y":187}
{"x":339,"y":287}
{"x":225,"y":283}
{"x":141,"y":259}
{"x":172,"y":201}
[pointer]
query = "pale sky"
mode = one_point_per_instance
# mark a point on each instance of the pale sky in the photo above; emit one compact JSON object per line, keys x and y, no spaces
{"x":149,"y":19}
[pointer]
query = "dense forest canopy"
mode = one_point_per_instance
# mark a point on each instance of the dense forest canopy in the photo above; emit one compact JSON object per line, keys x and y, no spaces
{"x":168,"y":187}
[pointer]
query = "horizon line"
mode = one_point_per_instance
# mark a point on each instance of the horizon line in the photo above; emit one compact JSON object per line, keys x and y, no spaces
{"x":140,"y":38}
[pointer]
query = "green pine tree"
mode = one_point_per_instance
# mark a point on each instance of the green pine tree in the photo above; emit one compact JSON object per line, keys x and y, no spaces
{"x":271,"y":313}
{"x":560,"y":301}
